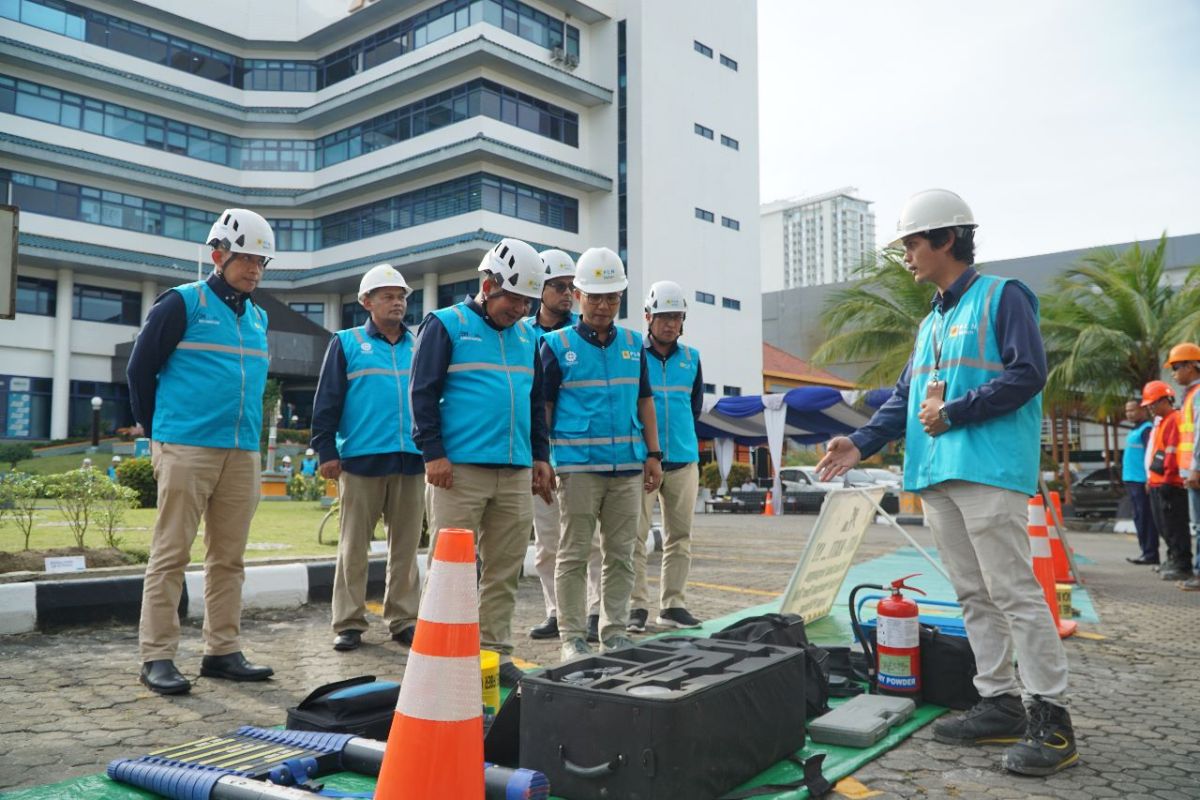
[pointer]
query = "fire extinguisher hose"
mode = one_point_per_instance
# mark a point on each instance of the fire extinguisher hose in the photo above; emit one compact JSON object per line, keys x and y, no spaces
{"x":868,"y":650}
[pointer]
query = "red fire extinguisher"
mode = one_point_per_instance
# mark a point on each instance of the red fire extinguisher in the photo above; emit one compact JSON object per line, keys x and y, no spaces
{"x":898,"y":640}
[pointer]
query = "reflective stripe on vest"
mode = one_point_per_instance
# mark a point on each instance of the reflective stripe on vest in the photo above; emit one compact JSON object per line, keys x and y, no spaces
{"x":376,"y":416}
{"x":1187,"y":427}
{"x":672,"y":380}
{"x":485,"y":404}
{"x":596,"y":426}
{"x":1003,"y":451}
{"x":210,"y":388}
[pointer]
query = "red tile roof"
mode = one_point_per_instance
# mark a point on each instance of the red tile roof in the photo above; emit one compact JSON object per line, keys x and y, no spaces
{"x":782,"y":364}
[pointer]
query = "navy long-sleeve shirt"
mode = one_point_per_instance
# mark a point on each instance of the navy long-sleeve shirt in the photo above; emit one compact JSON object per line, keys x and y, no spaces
{"x":553,"y":375}
{"x":1021,"y":352}
{"x":161,"y":333}
{"x":431,"y":359}
{"x":697,"y":396}
{"x":330,"y":401}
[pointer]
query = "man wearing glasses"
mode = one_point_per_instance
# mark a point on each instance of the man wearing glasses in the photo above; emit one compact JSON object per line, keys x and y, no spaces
{"x":554,"y":312}
{"x":1184,"y":363}
{"x":196,"y":380}
{"x":602,"y":424}
{"x":479,"y":420}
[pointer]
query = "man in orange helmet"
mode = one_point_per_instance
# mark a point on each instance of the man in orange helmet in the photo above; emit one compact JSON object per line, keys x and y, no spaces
{"x":1168,"y":499}
{"x":1184,"y":363}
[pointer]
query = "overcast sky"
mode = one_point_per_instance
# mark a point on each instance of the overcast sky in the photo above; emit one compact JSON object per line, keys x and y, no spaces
{"x":1063,"y":123}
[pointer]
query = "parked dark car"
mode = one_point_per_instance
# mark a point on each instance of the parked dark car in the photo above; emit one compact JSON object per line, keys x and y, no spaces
{"x":1098,"y":493}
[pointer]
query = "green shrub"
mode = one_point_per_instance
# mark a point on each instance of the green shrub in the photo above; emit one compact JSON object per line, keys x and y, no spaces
{"x":305,"y":487}
{"x":14,"y":452}
{"x":19,"y":494}
{"x":138,"y":475}
{"x":710,"y":476}
{"x":110,"y":511}
{"x":77,"y":494}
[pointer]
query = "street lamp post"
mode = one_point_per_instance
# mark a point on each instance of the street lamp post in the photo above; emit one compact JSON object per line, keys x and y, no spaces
{"x":96,"y":403}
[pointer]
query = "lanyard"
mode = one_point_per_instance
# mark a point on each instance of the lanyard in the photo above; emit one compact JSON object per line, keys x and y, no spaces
{"x":938,"y":323}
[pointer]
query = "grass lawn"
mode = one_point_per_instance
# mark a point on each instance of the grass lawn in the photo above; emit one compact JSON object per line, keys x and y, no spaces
{"x":50,"y":465}
{"x":280,"y":528}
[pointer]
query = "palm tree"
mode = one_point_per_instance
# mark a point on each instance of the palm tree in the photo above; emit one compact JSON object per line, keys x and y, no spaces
{"x":876,"y":319}
{"x":1109,"y":322}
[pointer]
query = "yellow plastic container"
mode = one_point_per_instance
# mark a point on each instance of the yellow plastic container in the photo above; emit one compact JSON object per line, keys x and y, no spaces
{"x":489,"y":664}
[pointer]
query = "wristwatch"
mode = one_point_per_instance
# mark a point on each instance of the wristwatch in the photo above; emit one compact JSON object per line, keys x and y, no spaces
{"x":944,"y":417}
{"x":655,"y":454}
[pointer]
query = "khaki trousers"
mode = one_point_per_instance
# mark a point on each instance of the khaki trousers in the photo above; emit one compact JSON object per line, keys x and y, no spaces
{"x":400,"y":500}
{"x":497,"y":504}
{"x":547,"y":529}
{"x":617,"y":504}
{"x":677,"y":497}
{"x":222,"y":486}
{"x":981,"y":537}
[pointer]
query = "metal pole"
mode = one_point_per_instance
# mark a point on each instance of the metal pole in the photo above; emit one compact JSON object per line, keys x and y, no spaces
{"x":892,"y":520}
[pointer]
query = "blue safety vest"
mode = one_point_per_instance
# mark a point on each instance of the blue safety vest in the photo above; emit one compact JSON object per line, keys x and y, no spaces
{"x":672,"y":381}
{"x":376,"y":417}
{"x":308,"y":466}
{"x":210,"y":390}
{"x":1133,"y":461}
{"x":538,"y":330}
{"x":596,"y":426}
{"x":1003,"y":451}
{"x":485,"y":399}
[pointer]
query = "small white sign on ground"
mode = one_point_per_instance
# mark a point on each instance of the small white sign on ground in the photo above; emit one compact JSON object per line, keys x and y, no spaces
{"x":841,"y":525}
{"x":66,"y":564}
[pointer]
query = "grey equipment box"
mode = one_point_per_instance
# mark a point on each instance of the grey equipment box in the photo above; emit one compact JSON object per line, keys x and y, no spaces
{"x":861,"y":721}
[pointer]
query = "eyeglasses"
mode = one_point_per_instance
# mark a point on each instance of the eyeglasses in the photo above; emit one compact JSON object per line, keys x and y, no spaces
{"x":606,"y":299}
{"x":1178,"y":365}
{"x":562,"y":287}
{"x":257,"y":261}
{"x":670,"y":316}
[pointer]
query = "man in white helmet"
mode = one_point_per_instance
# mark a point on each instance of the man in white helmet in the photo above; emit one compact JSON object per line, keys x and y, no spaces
{"x":480,"y":423}
{"x":309,"y":464}
{"x":196,"y":380}
{"x":602,"y":424}
{"x":554,"y":312}
{"x":285,"y":467}
{"x":968,"y":405}
{"x":362,"y":429}
{"x":678,"y":385}
{"x":112,"y":468}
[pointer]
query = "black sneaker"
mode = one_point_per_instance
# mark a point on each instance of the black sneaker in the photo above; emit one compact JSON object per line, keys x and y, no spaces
{"x":637,"y":621}
{"x":593,"y":629}
{"x":547,"y":630}
{"x":677,"y":618}
{"x":1049,"y":743}
{"x":993,"y":720}
{"x":405,"y":637}
{"x":510,"y":675}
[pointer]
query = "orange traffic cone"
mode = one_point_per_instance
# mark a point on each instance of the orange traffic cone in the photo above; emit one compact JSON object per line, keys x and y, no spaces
{"x":1062,"y":567}
{"x":1043,"y":565}
{"x":435,"y":746}
{"x":768,"y":507}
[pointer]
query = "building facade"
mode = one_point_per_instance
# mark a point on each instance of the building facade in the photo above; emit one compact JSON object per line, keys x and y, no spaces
{"x":417,"y":133}
{"x":812,"y":241}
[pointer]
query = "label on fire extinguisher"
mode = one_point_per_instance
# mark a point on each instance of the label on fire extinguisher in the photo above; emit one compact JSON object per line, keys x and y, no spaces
{"x":898,"y":632}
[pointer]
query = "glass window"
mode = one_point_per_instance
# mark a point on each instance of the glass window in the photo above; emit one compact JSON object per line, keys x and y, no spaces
{"x":315,"y":312}
{"x":36,"y":296}
{"x":732,"y":224}
{"x":710,"y":388}
{"x":701,"y":214}
{"x":729,"y":302}
{"x":25,"y":407}
{"x":733,"y":391}
{"x":353,"y":315}
{"x":726,"y":61}
{"x":98,"y":304}
{"x":705,"y":297}
{"x":450,"y":293}
{"x":702,"y":49}
{"x":700,"y":130}
{"x":729,"y":142}
{"x":115,"y":411}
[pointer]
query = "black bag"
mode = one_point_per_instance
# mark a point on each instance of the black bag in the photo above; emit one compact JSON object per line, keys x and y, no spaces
{"x":947,"y":668}
{"x":362,"y":706}
{"x":787,"y":630}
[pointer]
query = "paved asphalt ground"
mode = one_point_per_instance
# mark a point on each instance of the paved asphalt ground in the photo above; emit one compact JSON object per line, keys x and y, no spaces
{"x":70,"y":701}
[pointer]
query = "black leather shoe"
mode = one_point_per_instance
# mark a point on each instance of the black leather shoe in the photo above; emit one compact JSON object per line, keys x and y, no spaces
{"x":547,"y":630}
{"x":348,"y":640}
{"x":162,"y":677}
{"x":233,"y":667}
{"x":406,"y":636}
{"x":1140,"y":560}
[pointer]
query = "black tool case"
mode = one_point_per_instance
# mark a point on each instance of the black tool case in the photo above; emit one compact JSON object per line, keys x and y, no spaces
{"x":665,"y":720}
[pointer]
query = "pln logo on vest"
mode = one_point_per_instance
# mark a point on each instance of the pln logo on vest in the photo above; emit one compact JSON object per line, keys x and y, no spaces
{"x":629,"y":355}
{"x":205,"y":319}
{"x":365,"y":347}
{"x":962,"y":329}
{"x":571,"y":357}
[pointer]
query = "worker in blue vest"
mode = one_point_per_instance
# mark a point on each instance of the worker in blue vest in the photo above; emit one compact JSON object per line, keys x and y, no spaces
{"x":310,"y":463}
{"x":678,"y":385}
{"x":555,"y":312}
{"x":196,"y":379}
{"x":605,"y":437}
{"x":480,"y":422}
{"x":968,"y":405}
{"x":362,"y":429}
{"x":1134,"y":476}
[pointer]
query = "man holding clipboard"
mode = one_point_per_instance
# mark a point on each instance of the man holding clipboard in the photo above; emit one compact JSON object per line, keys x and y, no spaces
{"x":969,"y":407}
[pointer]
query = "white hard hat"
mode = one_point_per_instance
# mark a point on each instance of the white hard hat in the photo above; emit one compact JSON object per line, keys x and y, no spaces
{"x":310,"y":452}
{"x":116,"y":459}
{"x":378,"y":277}
{"x":666,"y":297}
{"x":287,"y":459}
{"x":518,"y":267}
{"x":87,"y":462}
{"x":600,"y":271}
{"x":241,"y":231}
{"x":930,"y":210}
{"x":558,"y":264}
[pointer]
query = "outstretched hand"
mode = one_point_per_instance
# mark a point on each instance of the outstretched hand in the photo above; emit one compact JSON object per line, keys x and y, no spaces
{"x":841,"y":456}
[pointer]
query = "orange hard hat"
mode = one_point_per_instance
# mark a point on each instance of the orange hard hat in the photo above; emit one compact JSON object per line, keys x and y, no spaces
{"x":1154,"y":391}
{"x":1183,"y":352}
